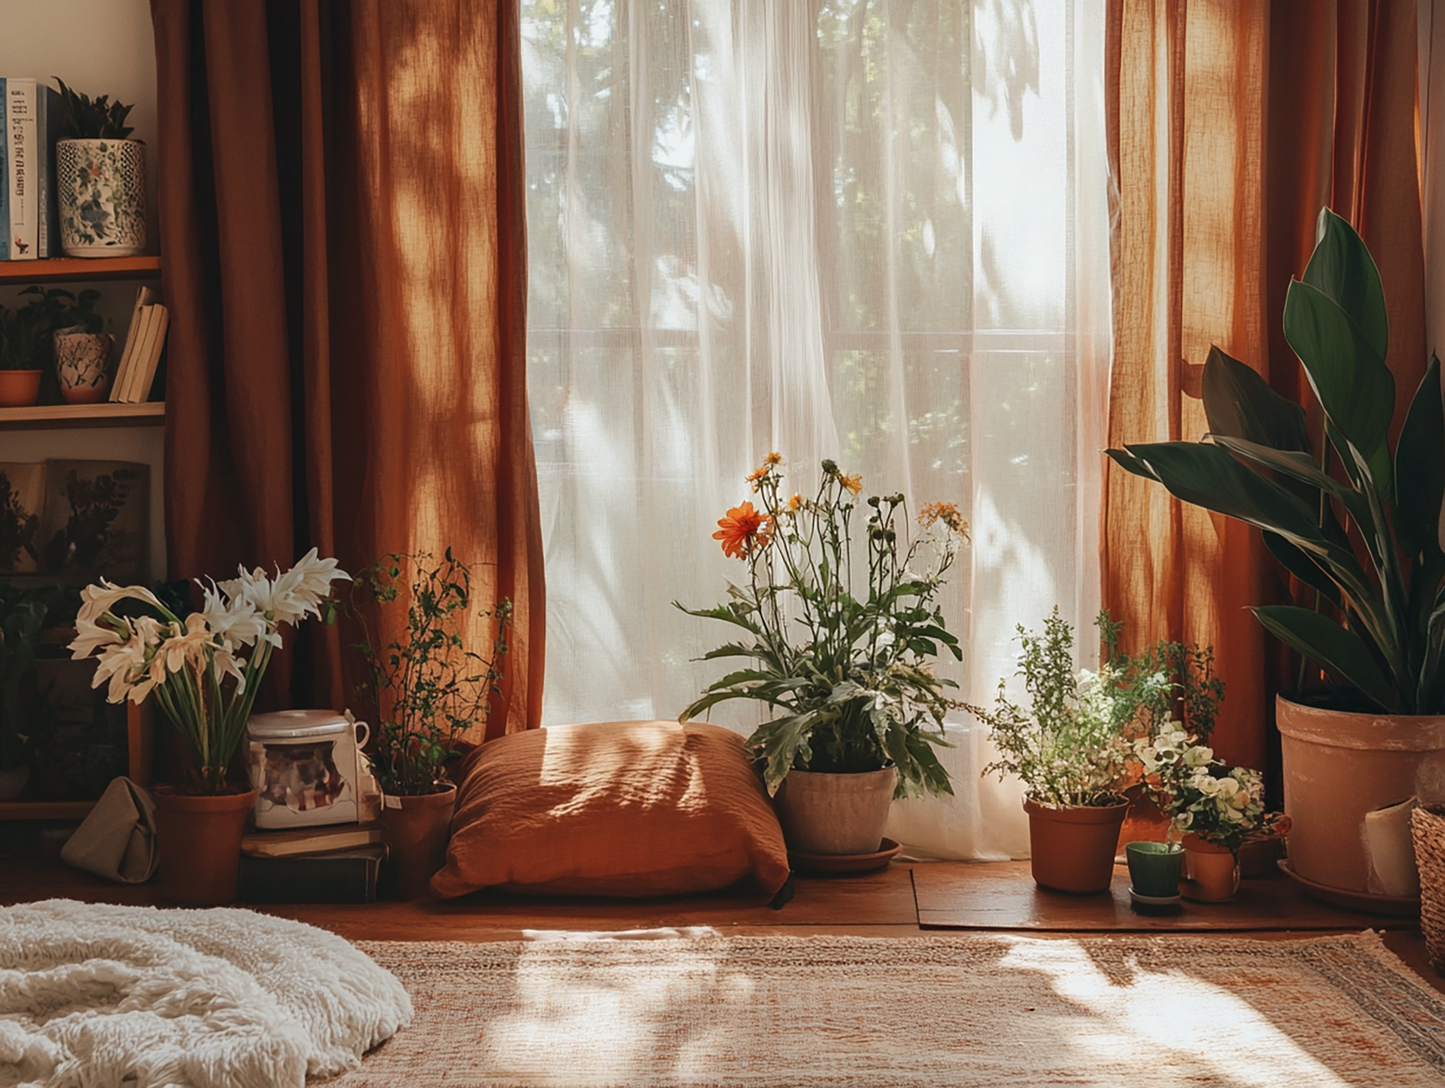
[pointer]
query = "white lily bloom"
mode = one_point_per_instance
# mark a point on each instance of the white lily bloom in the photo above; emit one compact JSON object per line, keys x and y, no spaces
{"x":129,"y":666}
{"x":188,"y":645}
{"x":97,"y":600}
{"x":234,"y":619}
{"x":91,"y":636}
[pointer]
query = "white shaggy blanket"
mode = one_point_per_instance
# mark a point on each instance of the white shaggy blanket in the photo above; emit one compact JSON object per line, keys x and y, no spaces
{"x":94,"y":995}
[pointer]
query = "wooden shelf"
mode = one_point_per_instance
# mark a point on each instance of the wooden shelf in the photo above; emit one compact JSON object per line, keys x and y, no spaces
{"x":45,"y":810}
{"x":150,"y":414}
{"x":79,"y":268}
{"x":140,"y":747}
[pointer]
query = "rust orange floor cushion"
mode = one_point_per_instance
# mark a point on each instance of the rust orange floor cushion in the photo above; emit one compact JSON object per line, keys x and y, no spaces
{"x":612,"y":808}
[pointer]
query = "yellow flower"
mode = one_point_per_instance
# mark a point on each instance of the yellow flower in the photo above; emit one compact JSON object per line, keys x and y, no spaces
{"x":852,"y":483}
{"x":795,"y":503}
{"x":945,"y":512}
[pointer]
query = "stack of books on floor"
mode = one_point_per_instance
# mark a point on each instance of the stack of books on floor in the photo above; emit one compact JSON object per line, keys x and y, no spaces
{"x":333,"y":864}
{"x":29,"y":214}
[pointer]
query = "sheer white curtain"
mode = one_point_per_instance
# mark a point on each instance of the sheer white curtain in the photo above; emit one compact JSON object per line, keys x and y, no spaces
{"x":872,"y":230}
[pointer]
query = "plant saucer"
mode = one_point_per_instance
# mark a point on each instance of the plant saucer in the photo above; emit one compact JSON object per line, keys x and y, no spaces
{"x":1154,"y":900}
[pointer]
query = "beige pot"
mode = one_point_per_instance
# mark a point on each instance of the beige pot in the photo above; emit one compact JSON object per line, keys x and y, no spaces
{"x":1339,"y":766}
{"x":835,"y":813}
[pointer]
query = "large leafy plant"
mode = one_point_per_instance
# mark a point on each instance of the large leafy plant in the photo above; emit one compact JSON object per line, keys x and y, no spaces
{"x":846,"y":663}
{"x":1357,"y":522}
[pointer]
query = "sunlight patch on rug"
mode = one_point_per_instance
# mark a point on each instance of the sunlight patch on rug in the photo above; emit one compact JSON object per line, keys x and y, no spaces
{"x":973,"y":1009}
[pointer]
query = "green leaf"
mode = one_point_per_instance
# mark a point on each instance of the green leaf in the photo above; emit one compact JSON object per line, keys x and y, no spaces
{"x":1342,"y":269}
{"x":1301,"y":467}
{"x":1347,"y":374}
{"x":1331,"y":646}
{"x":1420,"y":467}
{"x":1304,"y":568}
{"x":1241,"y":404}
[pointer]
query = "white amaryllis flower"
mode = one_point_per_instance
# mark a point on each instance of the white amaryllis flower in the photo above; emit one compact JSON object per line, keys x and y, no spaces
{"x":294,"y":595}
{"x":233,"y":618}
{"x":133,"y":667}
{"x":91,"y":636}
{"x":189,"y":644}
{"x":95,"y":601}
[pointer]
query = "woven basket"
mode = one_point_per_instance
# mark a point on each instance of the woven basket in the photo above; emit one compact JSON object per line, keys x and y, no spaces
{"x":1427,"y":828}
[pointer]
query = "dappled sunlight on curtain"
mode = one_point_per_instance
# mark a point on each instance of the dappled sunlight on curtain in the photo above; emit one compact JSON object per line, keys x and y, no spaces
{"x":359,"y":349}
{"x":854,"y":229}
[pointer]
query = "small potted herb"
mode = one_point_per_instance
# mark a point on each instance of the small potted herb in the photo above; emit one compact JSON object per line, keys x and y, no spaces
{"x":101,"y":178}
{"x":424,"y":688}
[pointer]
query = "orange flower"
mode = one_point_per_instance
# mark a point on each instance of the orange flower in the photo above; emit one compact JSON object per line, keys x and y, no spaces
{"x":852,"y":483}
{"x":756,"y":476}
{"x":744,"y":531}
{"x":795,"y":503}
{"x":945,"y":512}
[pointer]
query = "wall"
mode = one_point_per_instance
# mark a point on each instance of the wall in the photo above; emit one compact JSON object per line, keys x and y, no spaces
{"x":98,"y":47}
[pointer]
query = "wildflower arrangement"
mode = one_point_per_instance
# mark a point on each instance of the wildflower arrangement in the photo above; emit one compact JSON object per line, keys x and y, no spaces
{"x":202,"y":670}
{"x":1069,"y":745}
{"x":845,"y":662}
{"x":423,"y":686}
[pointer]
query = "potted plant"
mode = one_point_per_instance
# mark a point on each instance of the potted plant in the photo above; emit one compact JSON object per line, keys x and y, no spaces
{"x":1069,"y":749}
{"x":82,"y":348}
{"x":204,"y":671}
{"x":425,"y":688}
{"x":1358,"y":524}
{"x":100,"y":178}
{"x":22,"y":614}
{"x":27,"y":347}
{"x":846,"y":662}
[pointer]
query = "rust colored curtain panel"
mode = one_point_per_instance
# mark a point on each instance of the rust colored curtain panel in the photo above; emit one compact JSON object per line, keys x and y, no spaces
{"x":1230,"y":125}
{"x":342,"y":206}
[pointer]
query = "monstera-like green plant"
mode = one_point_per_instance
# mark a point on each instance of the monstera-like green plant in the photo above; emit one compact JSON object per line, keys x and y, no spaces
{"x":1359,"y":522}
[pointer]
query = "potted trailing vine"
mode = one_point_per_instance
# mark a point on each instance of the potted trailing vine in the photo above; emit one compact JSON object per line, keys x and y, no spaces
{"x":1357,"y":523}
{"x":425,"y":689}
{"x":100,"y":178}
{"x":203,"y":671}
{"x":845,"y":664}
{"x":1069,"y":750}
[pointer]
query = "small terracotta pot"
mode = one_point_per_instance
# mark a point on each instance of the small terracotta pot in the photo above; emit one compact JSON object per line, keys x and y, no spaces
{"x":1211,"y":873}
{"x":841,"y":814}
{"x":1072,"y":849}
{"x":416,"y":831}
{"x":19,"y":388}
{"x":199,"y":838}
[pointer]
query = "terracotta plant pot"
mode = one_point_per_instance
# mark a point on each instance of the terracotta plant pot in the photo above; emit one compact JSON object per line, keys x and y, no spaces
{"x":1072,"y":849}
{"x":1211,"y":873}
{"x":19,"y":388}
{"x":835,"y":813}
{"x":416,"y":830}
{"x":1339,"y":766}
{"x":199,"y":838}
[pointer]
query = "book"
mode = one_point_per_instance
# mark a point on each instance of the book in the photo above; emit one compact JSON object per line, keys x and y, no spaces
{"x":47,"y":131}
{"x":310,"y":840}
{"x":145,"y":366}
{"x":20,"y":136}
{"x":133,"y":335}
{"x":347,"y":876}
{"x":4,"y":178}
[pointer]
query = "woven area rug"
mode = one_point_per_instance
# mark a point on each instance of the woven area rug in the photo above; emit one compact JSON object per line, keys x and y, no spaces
{"x":977,"y":1009}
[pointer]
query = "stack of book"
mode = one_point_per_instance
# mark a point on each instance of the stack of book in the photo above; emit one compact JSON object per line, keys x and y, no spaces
{"x":29,"y":213}
{"x":140,"y":357}
{"x":333,"y":864}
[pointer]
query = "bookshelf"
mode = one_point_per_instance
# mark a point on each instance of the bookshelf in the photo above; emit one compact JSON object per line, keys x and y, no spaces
{"x":151,"y":414}
{"x":61,"y":269}
{"x":140,"y":742}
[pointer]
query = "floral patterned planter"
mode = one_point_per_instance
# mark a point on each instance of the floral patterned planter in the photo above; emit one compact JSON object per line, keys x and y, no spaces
{"x":101,"y":185}
{"x":82,"y":363}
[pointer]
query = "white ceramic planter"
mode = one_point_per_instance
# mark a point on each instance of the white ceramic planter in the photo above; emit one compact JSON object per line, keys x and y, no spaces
{"x":101,"y":186}
{"x":82,"y":363}
{"x":835,"y":813}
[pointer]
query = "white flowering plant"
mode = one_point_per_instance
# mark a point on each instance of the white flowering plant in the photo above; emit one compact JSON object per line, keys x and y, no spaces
{"x":203,"y":670}
{"x":1202,"y":795}
{"x":1069,"y":745}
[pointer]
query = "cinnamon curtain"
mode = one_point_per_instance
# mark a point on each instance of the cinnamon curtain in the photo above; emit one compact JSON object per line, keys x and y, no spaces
{"x":342,"y":216}
{"x":1231,"y":123}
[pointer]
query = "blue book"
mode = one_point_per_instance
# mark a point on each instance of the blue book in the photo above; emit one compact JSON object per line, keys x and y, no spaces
{"x":47,"y":131}
{"x":4,"y":180}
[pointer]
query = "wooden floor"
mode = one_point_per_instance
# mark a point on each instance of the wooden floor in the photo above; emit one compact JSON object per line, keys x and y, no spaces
{"x":904,"y":900}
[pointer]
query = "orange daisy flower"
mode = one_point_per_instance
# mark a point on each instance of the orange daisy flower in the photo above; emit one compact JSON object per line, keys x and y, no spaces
{"x":744,"y":531}
{"x":756,"y":476}
{"x":945,"y":512}
{"x":852,"y":483}
{"x":795,"y":503}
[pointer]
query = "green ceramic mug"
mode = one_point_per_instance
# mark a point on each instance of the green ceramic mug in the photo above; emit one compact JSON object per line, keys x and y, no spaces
{"x":1154,"y":867}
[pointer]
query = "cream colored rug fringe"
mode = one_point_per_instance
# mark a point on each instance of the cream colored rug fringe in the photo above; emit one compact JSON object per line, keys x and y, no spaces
{"x":977,"y":1009}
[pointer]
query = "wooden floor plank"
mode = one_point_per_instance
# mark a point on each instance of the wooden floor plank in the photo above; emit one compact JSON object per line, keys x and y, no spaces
{"x":1002,"y":895}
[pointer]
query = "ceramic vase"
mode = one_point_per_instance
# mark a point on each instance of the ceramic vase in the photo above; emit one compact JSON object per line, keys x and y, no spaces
{"x":1072,"y":849}
{"x":838,"y":814}
{"x":1154,"y":868}
{"x":82,"y":363}
{"x":416,"y":830}
{"x":199,"y":838}
{"x":1211,"y":873}
{"x":19,"y":388}
{"x":101,"y":185}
